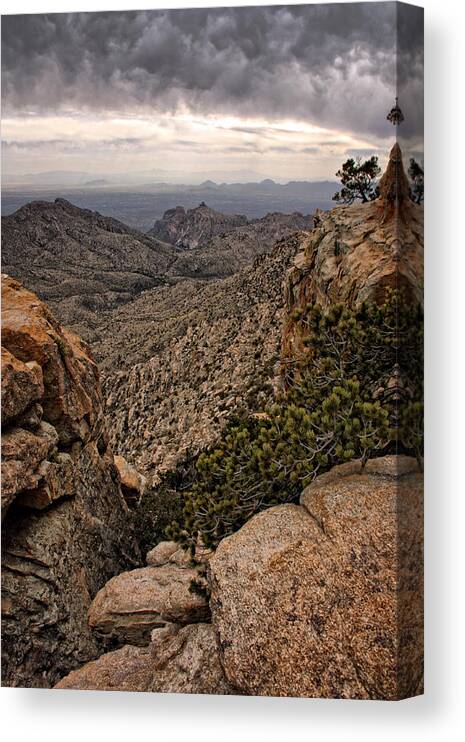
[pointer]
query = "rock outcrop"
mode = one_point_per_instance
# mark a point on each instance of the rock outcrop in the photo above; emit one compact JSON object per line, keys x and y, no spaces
{"x":356,"y":252}
{"x":179,"y":660}
{"x":131,"y":605}
{"x":325,"y":598}
{"x":66,"y":528}
{"x":133,"y":483}
{"x":194,"y":228}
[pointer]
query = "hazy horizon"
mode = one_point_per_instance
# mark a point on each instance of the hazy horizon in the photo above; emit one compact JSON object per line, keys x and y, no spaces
{"x":283,"y":92}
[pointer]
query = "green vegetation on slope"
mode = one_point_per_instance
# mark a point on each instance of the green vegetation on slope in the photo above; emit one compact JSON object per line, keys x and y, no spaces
{"x":356,"y":392}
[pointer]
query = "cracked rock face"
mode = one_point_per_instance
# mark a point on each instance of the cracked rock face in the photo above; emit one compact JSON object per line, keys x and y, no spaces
{"x":181,"y":660}
{"x":308,"y":599}
{"x":66,"y":528}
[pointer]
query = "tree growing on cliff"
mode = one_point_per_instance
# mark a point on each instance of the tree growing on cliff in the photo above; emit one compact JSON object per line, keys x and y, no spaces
{"x":417,"y":177}
{"x":358,"y":180}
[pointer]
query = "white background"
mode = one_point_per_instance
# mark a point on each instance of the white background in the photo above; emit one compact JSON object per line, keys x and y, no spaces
{"x":69,"y":715}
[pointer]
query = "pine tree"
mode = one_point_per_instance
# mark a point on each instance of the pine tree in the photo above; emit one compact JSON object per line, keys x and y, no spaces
{"x":358,"y":180}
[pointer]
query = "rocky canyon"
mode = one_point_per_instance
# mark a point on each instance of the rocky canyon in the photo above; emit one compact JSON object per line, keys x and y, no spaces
{"x":125,"y":356}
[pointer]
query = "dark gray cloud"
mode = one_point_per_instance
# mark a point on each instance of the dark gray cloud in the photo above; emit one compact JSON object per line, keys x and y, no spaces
{"x":333,"y":65}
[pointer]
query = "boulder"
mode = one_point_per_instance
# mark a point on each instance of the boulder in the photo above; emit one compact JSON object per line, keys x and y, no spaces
{"x":161,"y":553}
{"x":181,"y":660}
{"x":133,"y":483}
{"x":126,"y":669}
{"x":324,"y":599}
{"x":169,"y":552}
{"x":65,"y":526}
{"x":132,"y":604}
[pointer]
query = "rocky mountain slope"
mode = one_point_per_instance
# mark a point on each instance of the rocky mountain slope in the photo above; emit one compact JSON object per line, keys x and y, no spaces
{"x":205,"y":353}
{"x":86,"y":266}
{"x":78,"y":261}
{"x":228,"y":252}
{"x":66,"y":528}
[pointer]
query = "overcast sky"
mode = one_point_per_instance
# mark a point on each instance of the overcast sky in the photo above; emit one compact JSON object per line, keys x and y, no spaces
{"x":286,"y":91}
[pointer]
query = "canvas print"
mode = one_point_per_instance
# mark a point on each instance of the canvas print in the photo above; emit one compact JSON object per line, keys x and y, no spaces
{"x":212,"y":351}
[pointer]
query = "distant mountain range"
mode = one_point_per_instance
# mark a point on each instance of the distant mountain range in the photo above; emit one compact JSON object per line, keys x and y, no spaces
{"x":146,"y":178}
{"x":140,"y":206}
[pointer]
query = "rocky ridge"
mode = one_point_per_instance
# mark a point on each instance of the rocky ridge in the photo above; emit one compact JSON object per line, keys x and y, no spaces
{"x":78,"y":261}
{"x":228,"y":252}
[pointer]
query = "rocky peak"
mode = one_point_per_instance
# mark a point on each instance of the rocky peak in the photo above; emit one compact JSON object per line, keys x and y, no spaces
{"x":177,"y":211}
{"x":354,"y":253}
{"x":194,"y":228}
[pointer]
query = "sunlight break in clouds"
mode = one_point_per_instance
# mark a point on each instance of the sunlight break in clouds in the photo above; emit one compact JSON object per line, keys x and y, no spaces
{"x":287,"y":149}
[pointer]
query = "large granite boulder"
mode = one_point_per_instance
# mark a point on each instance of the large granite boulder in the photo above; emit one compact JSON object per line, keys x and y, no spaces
{"x":325,"y":598}
{"x":66,"y":528}
{"x":131,"y":605}
{"x":179,"y":660}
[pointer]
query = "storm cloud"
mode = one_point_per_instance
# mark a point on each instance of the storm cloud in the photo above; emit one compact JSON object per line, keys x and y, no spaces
{"x":331,"y":65}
